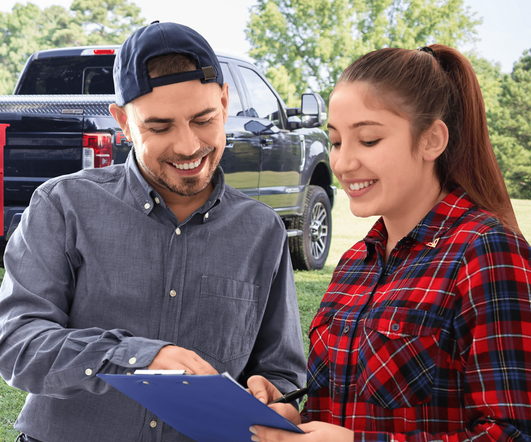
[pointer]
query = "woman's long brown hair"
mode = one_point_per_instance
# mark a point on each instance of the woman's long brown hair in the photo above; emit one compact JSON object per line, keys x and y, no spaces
{"x":439,"y":83}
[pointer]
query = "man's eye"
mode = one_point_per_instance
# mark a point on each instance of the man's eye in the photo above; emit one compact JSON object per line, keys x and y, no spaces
{"x":204,"y":123}
{"x":159,"y":131}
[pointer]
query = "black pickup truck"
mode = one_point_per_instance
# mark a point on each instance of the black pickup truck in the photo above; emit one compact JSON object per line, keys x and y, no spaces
{"x":57,"y":122}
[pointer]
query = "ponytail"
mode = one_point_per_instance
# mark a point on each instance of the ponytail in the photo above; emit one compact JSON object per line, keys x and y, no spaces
{"x":439,"y":83}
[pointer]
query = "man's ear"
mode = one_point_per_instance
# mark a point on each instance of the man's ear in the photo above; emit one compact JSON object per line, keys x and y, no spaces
{"x":120,"y":116}
{"x":225,"y":101}
{"x":434,"y":141}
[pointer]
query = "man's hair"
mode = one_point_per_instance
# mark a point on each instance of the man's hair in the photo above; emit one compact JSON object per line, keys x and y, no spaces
{"x":170,"y":64}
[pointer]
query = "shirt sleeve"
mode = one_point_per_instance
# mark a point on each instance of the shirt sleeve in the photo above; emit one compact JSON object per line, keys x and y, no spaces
{"x":39,"y":353}
{"x":493,"y":334}
{"x":278,"y":353}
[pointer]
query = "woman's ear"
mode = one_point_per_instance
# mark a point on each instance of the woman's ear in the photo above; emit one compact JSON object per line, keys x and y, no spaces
{"x":434,"y":141}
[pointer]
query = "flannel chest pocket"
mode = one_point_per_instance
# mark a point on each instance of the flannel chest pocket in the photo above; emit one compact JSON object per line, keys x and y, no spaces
{"x":397,"y":357}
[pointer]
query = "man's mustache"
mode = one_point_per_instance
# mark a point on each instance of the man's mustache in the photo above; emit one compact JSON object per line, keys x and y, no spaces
{"x":202,"y":152}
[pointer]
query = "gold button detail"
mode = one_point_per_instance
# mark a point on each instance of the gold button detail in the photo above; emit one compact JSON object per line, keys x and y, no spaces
{"x":178,"y":231}
{"x":132,"y":361}
{"x":153,"y":424}
{"x":173,"y":293}
{"x":147,"y":206}
{"x":88,"y":372}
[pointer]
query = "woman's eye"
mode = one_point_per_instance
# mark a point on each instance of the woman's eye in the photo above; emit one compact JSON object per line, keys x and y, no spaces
{"x":370,"y":143}
{"x":336,"y":145}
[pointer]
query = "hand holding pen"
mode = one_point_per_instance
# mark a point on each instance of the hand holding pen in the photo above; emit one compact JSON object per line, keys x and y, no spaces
{"x":290,"y":397}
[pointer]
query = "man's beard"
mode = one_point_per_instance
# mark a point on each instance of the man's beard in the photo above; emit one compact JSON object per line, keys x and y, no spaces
{"x":189,"y":186}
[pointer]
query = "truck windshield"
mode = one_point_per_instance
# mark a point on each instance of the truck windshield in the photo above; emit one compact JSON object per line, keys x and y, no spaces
{"x":72,"y":75}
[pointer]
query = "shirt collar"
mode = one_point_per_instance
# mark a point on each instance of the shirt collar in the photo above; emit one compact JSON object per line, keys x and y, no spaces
{"x":144,"y":193}
{"x":433,"y":225}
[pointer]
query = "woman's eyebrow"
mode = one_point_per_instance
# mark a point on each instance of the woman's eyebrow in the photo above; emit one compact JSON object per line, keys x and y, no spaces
{"x":358,"y":124}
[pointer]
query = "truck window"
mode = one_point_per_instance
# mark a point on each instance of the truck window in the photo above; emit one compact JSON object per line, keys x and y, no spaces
{"x":264,"y":103}
{"x":235,"y":104}
{"x":72,"y":75}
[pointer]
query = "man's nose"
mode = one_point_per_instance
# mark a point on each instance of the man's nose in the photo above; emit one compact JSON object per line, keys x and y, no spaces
{"x":186,"y":142}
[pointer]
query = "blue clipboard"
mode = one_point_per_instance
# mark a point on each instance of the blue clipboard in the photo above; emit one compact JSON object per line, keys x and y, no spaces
{"x":204,"y":408}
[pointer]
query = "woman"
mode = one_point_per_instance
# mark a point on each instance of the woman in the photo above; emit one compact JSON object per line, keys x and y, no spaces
{"x":425,"y":330}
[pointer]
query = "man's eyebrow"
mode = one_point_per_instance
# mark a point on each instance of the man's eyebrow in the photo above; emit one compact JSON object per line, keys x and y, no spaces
{"x":358,"y":124}
{"x":204,"y":112}
{"x":158,"y":120}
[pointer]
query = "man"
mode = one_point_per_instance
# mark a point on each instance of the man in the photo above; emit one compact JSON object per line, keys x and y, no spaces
{"x":154,"y":263}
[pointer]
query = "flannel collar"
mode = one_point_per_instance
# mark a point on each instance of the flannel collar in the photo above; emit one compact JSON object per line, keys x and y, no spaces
{"x":433,"y":225}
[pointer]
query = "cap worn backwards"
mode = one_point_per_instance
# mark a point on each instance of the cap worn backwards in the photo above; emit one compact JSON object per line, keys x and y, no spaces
{"x":131,"y":79}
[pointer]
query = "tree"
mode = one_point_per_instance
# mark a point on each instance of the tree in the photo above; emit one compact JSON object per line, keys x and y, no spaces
{"x":106,"y":21}
{"x":510,"y":124}
{"x":315,"y":40}
{"x":28,"y":29}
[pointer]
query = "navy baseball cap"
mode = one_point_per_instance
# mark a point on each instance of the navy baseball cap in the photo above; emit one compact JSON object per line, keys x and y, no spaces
{"x":131,"y":79}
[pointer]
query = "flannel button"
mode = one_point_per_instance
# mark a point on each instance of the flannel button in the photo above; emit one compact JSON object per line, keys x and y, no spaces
{"x":395,"y":327}
{"x":346,"y":329}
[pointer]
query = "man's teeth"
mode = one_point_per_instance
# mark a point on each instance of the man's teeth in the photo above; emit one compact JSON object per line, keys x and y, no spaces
{"x":188,"y":166}
{"x":359,"y":186}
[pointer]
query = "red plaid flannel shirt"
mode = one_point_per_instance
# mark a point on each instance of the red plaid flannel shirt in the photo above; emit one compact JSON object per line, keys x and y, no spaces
{"x":436,"y":345}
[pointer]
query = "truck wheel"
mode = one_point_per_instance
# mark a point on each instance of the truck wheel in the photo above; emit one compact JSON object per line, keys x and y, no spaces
{"x":309,"y":251}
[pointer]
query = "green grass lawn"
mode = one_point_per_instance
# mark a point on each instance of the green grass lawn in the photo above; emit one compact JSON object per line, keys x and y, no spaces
{"x":311,"y":287}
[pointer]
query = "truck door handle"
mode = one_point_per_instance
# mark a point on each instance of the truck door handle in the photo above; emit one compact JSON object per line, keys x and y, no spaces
{"x":231,"y":139}
{"x":267,"y":143}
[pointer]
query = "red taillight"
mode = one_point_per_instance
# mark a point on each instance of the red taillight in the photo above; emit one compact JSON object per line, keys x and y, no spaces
{"x":97,"y":150}
{"x":104,"y":51}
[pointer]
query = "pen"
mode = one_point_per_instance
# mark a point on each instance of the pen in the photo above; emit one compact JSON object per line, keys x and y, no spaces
{"x":290,"y":397}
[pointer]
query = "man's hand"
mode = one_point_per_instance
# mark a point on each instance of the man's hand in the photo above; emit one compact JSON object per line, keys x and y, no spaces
{"x":315,"y":432}
{"x":266,"y":392}
{"x":172,"y":357}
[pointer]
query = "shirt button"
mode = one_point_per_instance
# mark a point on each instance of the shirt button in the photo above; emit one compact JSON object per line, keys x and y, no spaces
{"x":132,"y":361}
{"x":395,"y":327}
{"x":346,"y":329}
{"x":206,"y":216}
{"x":157,"y":200}
{"x":88,"y":371}
{"x":153,"y":424}
{"x":147,"y":206}
{"x":177,"y":231}
{"x":173,"y":293}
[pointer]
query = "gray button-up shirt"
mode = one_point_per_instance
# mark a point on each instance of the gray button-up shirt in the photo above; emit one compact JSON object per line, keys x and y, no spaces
{"x":100,"y":275}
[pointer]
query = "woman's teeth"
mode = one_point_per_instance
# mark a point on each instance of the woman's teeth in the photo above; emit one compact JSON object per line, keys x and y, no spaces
{"x":188,"y":166}
{"x":359,"y":186}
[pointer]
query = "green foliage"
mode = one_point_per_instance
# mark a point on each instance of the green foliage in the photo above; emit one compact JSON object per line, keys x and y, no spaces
{"x":508,"y":105}
{"x":315,"y":40}
{"x":28,"y":29}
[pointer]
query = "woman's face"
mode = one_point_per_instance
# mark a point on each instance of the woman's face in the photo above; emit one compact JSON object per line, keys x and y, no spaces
{"x":373,"y":158}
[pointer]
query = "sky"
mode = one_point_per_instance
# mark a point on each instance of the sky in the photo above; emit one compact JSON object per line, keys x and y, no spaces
{"x":502,"y":37}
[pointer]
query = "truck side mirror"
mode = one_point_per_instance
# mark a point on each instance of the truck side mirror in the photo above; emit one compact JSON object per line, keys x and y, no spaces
{"x":313,"y":109}
{"x":257,"y":128}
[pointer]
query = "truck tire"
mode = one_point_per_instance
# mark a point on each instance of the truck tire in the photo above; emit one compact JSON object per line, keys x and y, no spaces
{"x":310,"y":250}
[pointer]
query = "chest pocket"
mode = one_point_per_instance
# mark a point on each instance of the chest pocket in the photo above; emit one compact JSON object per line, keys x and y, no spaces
{"x":397,"y":357}
{"x":227,"y":319}
{"x":318,"y":357}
